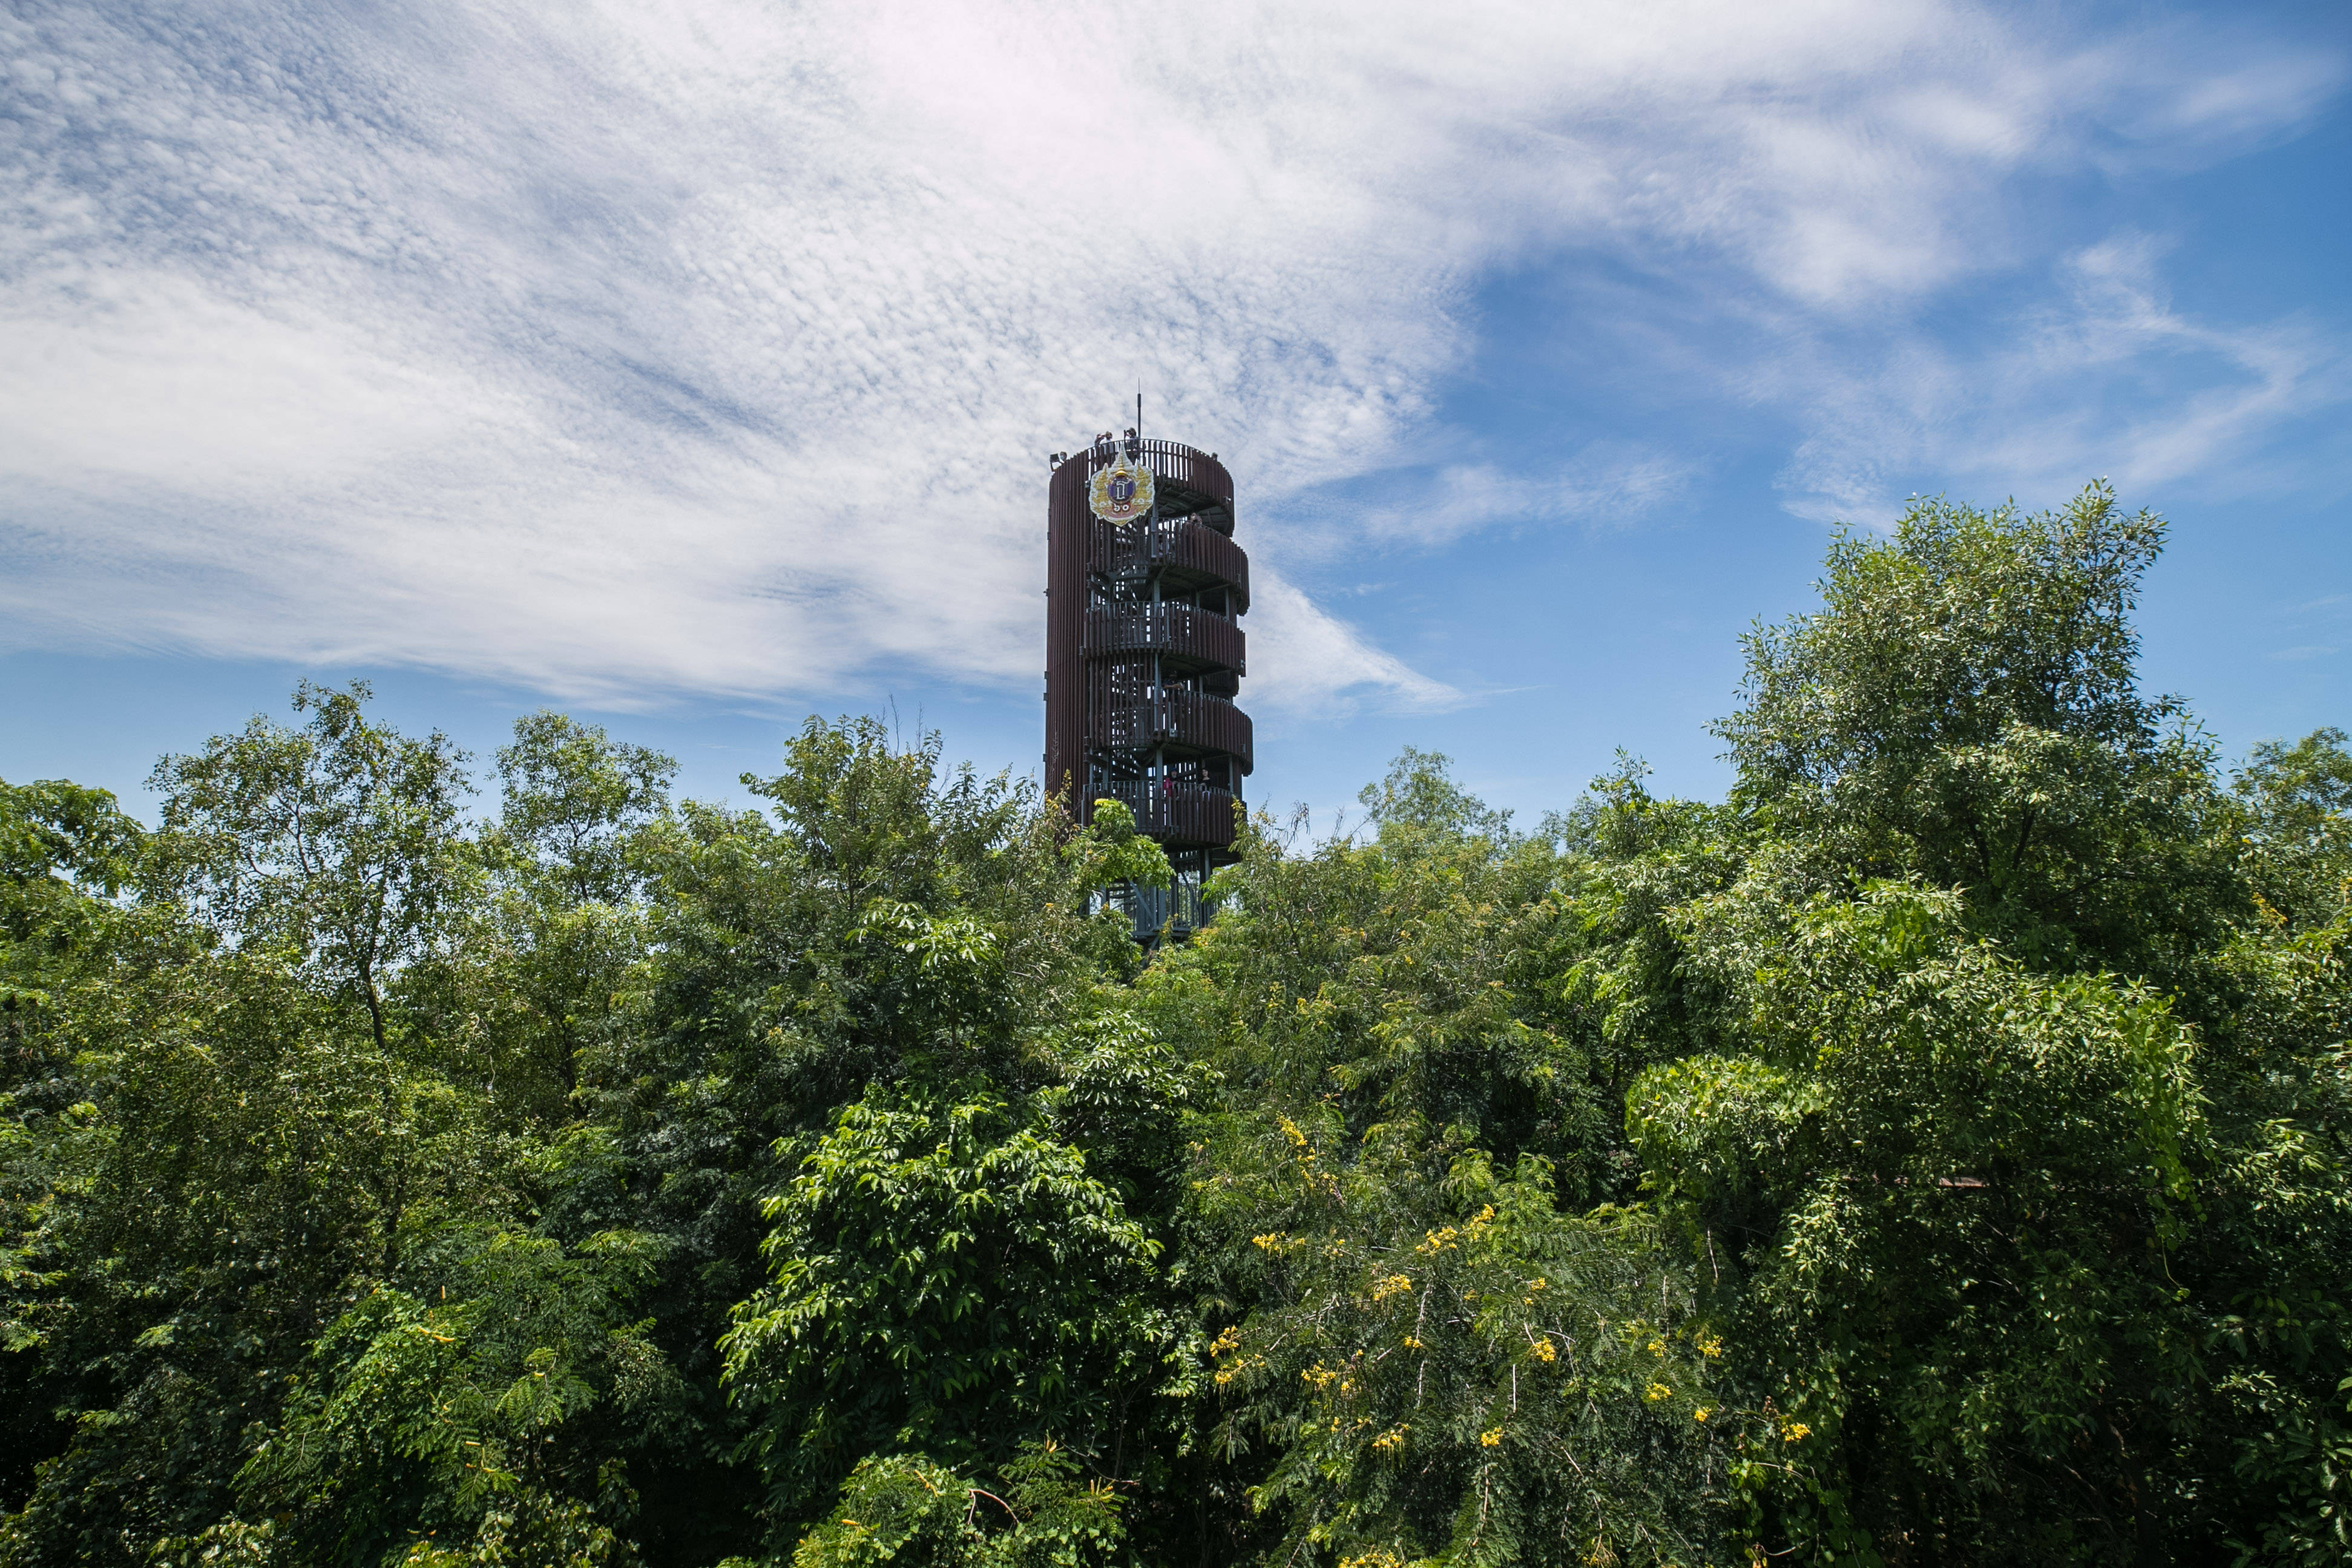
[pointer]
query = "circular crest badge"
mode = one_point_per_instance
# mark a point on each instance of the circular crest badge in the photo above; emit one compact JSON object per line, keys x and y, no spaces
{"x":1122,"y":491}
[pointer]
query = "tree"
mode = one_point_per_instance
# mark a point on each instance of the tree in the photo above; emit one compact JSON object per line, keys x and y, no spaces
{"x":948,"y":1281}
{"x":338,"y":843}
{"x":2007,"y":1126}
{"x":486,"y":1422}
{"x":1943,"y":1200}
{"x":66,"y":853}
{"x":1425,"y":1345}
{"x":1965,"y":708}
{"x":574,"y":799}
{"x":2299,"y":798}
{"x":245,"y":1107}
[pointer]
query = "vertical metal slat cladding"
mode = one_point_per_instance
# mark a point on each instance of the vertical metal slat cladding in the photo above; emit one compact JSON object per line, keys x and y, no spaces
{"x":1066,"y":521}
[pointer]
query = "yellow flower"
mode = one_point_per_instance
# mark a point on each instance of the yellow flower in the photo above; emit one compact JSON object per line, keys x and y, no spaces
{"x":1234,"y":1369}
{"x":1710,"y":1347}
{"x":1657,"y":1391}
{"x":1391,"y":1438}
{"x":1700,"y":1413}
{"x":1391,"y":1285}
{"x":1489,"y":1439}
{"x":1227,"y":1341}
{"x":1545,"y":1353}
{"x":1795,"y":1432}
{"x":1410,"y":1342}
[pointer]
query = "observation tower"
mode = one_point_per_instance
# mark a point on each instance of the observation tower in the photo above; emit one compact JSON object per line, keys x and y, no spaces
{"x":1145,"y":589}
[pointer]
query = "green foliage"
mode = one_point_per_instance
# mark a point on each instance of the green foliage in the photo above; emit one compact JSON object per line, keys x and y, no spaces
{"x":1939,"y":1152}
{"x":1122,"y":853}
{"x":946,"y":1280}
{"x":907,"y":1510}
{"x":900,"y":1509}
{"x":1415,"y":1357}
{"x":2299,"y":799}
{"x":1966,"y":709}
{"x":483,"y":1423}
{"x":572,"y":799}
{"x":1507,"y":1383}
{"x":1946,"y":1194}
{"x":921,"y":1515}
{"x":337,"y":844}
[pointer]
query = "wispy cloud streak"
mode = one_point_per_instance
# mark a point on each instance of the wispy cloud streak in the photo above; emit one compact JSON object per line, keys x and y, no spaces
{"x":716,"y":346}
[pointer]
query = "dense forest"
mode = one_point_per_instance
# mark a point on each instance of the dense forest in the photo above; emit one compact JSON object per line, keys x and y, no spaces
{"x":1933,"y":1152}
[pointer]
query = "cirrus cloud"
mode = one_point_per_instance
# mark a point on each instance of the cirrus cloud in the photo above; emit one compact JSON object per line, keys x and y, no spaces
{"x":620,"y":348}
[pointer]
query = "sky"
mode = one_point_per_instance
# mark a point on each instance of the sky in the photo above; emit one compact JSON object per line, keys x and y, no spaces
{"x":692,"y":366}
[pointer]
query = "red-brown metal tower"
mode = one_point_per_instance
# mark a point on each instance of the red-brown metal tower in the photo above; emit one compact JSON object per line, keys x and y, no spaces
{"x":1143,"y":653}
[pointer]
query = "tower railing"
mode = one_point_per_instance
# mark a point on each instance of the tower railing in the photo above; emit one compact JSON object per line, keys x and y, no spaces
{"x":1178,"y":808}
{"x":1177,"y":629}
{"x":1135,"y":547}
{"x":1128,"y":713}
{"x":1199,"y":471}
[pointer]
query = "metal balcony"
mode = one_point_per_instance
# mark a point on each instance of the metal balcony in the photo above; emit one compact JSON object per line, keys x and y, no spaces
{"x":1185,"y":638}
{"x":1179,"y":813}
{"x":1184,"y":722}
{"x":1189,"y":556}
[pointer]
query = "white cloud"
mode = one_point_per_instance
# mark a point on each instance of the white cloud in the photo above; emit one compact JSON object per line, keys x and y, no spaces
{"x":2072,"y":380}
{"x":716,"y":345}
{"x":1607,"y":483}
{"x":1329,"y":669}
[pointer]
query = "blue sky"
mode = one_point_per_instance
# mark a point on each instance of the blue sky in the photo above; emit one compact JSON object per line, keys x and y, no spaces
{"x":692,"y":366}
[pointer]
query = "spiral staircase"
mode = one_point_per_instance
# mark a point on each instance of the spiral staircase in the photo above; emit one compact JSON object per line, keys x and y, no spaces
{"x":1144,"y":656}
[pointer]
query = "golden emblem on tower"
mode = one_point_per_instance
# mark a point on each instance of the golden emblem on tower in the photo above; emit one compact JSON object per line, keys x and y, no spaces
{"x":1122,"y":491}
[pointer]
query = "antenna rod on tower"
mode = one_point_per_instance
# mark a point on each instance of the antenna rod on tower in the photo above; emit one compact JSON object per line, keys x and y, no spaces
{"x":1138,"y":413}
